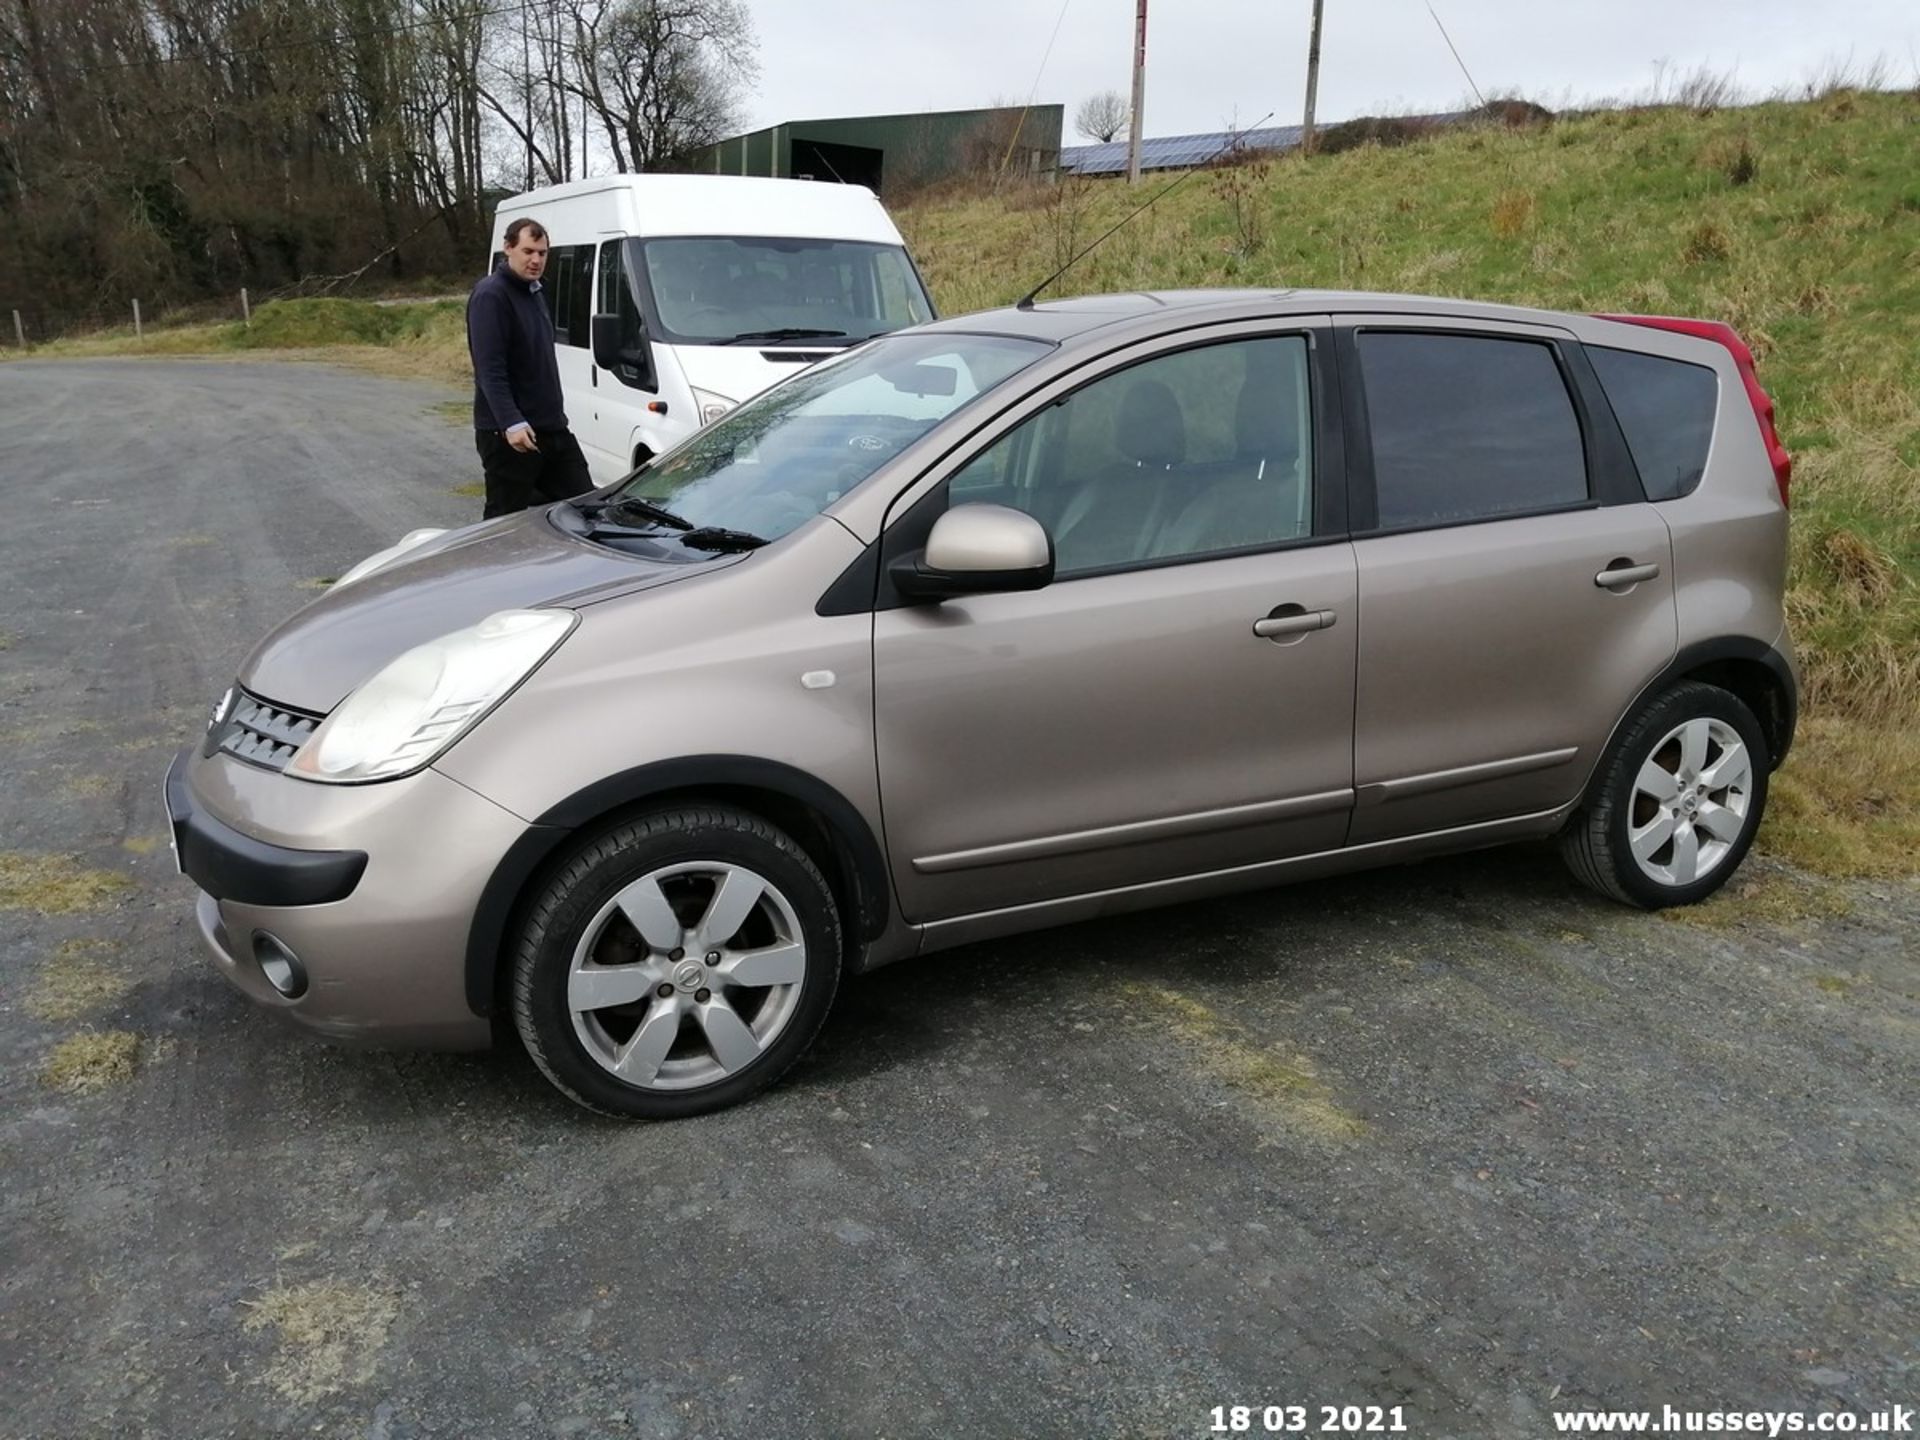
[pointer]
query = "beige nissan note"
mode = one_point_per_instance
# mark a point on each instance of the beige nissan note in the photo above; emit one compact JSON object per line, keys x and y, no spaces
{"x":998,"y":623}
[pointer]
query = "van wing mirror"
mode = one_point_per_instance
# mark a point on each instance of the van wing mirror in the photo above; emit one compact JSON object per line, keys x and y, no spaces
{"x":617,"y":345}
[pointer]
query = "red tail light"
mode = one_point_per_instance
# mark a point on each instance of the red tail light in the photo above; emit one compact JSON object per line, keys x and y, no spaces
{"x":1743,"y":358}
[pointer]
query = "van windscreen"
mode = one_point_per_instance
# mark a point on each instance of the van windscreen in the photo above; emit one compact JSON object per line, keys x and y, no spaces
{"x":718,"y":289}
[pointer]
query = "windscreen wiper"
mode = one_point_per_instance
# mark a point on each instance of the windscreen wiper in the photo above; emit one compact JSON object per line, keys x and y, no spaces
{"x":791,"y":334}
{"x":635,"y":505}
{"x":709,"y":537}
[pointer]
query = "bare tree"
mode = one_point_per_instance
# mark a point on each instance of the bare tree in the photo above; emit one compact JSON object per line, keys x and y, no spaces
{"x":662,"y":77}
{"x":1103,"y":116}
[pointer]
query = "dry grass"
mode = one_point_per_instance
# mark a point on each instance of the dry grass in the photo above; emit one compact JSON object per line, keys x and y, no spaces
{"x":1513,"y":213}
{"x":56,"y":884}
{"x":1847,"y":802}
{"x":331,"y":1334}
{"x":76,"y":980}
{"x":92,"y":1061}
{"x":1762,"y":894}
{"x":1283,"y":1087}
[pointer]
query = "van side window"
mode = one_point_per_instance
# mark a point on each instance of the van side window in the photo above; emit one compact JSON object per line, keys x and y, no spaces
{"x":1666,"y":408}
{"x":568,"y":290}
{"x":1468,"y":427}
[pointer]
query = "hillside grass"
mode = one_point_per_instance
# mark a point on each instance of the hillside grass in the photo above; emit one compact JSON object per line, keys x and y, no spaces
{"x":1799,"y":223}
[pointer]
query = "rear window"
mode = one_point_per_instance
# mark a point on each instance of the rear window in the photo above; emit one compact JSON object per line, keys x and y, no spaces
{"x":1468,"y":427}
{"x":1666,"y":408}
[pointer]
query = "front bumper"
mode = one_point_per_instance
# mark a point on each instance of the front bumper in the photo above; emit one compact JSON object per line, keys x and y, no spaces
{"x":372,"y":887}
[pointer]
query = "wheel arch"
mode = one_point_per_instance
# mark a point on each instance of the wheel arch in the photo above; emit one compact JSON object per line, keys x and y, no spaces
{"x":1755,"y":672}
{"x":819,"y":818}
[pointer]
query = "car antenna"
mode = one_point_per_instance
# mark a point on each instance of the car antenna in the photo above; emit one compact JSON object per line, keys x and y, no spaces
{"x":1233,"y":136}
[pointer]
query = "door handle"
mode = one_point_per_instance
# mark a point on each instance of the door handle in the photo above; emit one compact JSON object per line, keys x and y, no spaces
{"x":1295,"y":621}
{"x":1622,"y":573}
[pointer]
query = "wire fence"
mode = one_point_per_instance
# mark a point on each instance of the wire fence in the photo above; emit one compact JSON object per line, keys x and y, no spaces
{"x":27,"y":326}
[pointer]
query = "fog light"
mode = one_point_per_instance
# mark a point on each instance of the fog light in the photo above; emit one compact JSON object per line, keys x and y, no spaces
{"x":280,"y":965}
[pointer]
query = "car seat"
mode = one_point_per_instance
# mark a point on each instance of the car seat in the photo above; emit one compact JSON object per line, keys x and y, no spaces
{"x":1108,"y":518}
{"x":1255,"y":497}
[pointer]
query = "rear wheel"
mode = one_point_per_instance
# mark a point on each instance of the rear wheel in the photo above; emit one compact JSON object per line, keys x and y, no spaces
{"x":677,"y":964}
{"x":1678,"y":800}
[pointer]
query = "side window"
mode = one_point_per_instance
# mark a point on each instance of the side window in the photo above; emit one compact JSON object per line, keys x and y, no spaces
{"x":1666,"y":408}
{"x":580,"y":298}
{"x":1468,"y":427}
{"x":1204,"y":451}
{"x":568,"y":290}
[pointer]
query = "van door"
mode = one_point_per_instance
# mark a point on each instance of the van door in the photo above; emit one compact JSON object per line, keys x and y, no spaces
{"x":568,"y":290}
{"x":616,"y":418}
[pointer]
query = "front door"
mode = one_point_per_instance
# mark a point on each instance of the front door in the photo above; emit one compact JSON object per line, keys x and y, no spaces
{"x":1128,"y":723}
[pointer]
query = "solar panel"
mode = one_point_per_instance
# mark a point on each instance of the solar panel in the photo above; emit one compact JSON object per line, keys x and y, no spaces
{"x":1183,"y":152}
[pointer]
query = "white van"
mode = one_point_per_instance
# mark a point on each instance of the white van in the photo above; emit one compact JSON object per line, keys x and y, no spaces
{"x":675,"y":297}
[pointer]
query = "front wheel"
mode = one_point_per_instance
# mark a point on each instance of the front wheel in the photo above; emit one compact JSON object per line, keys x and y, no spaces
{"x":1677,"y":802}
{"x":677,"y":964}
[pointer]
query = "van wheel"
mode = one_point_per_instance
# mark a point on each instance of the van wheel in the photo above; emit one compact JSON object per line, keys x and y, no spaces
{"x":1677,"y":802}
{"x":677,"y":964}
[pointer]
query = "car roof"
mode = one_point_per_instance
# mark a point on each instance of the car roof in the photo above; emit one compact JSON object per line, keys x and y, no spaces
{"x":1064,"y":320}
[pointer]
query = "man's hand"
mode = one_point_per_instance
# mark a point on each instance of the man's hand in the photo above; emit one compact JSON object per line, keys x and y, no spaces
{"x":520,"y":437}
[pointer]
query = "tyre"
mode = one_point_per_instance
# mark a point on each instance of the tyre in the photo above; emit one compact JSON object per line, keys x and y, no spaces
{"x":676,"y":964}
{"x":1676,"y":803}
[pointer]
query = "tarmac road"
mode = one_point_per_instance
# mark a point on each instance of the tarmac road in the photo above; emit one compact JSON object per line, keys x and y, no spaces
{"x":1457,"y":1138}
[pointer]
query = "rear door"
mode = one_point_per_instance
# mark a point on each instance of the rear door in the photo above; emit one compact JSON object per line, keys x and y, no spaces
{"x":1516,"y":589}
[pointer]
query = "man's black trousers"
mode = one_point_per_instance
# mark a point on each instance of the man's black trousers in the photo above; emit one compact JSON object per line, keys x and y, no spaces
{"x":515,"y":480}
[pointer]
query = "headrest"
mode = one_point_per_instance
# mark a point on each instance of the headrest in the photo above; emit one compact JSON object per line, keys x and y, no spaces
{"x":1264,"y":422}
{"x":1152,"y":430}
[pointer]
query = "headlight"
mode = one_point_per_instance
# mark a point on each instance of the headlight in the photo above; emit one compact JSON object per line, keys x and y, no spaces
{"x":711,"y":406}
{"x":220,"y":711}
{"x":411,"y":540}
{"x":411,"y":712}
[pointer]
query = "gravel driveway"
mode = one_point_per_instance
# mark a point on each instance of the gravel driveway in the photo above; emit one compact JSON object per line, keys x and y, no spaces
{"x":1458,"y":1138}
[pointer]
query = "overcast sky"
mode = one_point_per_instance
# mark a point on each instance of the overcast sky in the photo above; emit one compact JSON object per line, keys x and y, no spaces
{"x":1212,"y":62}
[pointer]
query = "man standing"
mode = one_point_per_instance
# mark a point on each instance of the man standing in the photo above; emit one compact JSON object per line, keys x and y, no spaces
{"x":519,"y":418}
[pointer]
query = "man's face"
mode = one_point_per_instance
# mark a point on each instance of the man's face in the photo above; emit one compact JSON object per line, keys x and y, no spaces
{"x":527,"y":257}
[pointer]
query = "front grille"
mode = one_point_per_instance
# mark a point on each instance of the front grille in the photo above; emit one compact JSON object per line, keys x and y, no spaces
{"x":264,"y":734}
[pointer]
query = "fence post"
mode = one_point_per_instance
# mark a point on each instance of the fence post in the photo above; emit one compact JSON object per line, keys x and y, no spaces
{"x":138,"y":333}
{"x":246,"y":310}
{"x":19,"y":330}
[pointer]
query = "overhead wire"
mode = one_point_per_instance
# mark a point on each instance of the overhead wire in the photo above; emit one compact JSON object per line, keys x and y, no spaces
{"x":1046,"y":55}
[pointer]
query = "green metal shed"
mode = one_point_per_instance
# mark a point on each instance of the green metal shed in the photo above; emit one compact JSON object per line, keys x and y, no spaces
{"x":890,"y":154}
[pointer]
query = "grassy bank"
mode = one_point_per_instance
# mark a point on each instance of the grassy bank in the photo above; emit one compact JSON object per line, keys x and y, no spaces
{"x":1798,"y":223}
{"x":424,"y":340}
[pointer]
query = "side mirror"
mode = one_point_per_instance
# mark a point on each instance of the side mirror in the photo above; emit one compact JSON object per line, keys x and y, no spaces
{"x":977,"y":550}
{"x":613,"y":349}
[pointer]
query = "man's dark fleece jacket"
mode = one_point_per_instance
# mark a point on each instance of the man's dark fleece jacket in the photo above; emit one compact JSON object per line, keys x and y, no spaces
{"x":510,"y":337}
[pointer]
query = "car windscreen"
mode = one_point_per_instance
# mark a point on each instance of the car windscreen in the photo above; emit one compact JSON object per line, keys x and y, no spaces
{"x":722,"y":289}
{"x":784,"y":456}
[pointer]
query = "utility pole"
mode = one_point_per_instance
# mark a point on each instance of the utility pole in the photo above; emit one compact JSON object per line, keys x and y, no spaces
{"x":526,"y":91}
{"x":1139,"y":93}
{"x":1313,"y":80}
